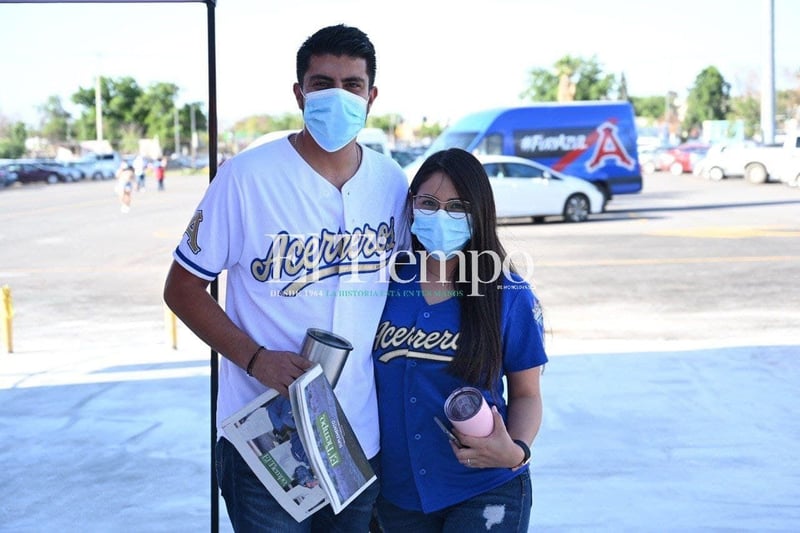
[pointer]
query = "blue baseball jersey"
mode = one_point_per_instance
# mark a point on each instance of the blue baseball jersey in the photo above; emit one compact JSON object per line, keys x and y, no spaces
{"x":414,"y":343}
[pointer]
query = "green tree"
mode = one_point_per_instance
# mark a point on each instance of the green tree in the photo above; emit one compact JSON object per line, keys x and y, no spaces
{"x":585,"y":75}
{"x":157,"y":107}
{"x":787,"y":103}
{"x":385,"y":122}
{"x":56,"y":122}
{"x":256,"y":125}
{"x":748,"y":109}
{"x":185,"y":114}
{"x":649,"y":106}
{"x":12,"y":139}
{"x":118,"y":97}
{"x":542,"y":87}
{"x":592,"y":83}
{"x":709,"y":99}
{"x":131,"y":113}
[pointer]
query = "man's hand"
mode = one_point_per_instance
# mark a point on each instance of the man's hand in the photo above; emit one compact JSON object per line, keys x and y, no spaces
{"x":278,"y":370}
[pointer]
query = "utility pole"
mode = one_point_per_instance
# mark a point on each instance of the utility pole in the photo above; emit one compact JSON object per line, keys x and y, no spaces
{"x":177,"y":133}
{"x":98,"y":107}
{"x":194,"y":135}
{"x":768,"y":75}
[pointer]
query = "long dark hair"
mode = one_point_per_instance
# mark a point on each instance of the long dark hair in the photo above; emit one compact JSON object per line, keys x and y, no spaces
{"x":479,"y":356}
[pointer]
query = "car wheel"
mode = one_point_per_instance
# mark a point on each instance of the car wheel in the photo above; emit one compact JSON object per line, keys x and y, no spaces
{"x":676,"y":169}
{"x":52,"y":178}
{"x":756,"y":173}
{"x":649,"y":167}
{"x":716,"y":174}
{"x":576,"y":208}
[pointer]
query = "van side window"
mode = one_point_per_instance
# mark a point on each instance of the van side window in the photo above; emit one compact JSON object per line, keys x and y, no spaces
{"x":491,"y":144}
{"x":494,"y":143}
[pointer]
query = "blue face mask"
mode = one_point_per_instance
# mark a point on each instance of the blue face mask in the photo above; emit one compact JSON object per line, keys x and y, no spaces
{"x":440,"y":233}
{"x":334,"y":117}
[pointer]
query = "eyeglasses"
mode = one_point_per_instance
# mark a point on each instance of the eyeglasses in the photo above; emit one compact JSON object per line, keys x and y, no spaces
{"x":430,"y":204}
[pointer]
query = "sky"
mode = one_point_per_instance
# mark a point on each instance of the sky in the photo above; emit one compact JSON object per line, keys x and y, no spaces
{"x":437,"y":59}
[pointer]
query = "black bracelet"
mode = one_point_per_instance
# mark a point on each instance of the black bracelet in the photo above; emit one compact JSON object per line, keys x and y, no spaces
{"x":526,"y":451}
{"x":252,"y":362}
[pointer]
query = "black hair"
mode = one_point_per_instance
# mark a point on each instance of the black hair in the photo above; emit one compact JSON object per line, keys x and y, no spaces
{"x":479,"y":356}
{"x":339,"y":40}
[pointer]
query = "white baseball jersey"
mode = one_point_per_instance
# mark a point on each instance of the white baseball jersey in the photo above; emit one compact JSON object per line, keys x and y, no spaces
{"x":299,"y":254}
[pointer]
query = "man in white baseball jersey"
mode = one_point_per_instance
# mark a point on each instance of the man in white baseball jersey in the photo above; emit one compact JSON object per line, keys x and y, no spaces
{"x":305,"y":227}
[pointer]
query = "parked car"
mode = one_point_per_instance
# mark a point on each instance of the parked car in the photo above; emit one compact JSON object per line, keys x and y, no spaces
{"x":651,"y":158}
{"x":7,"y":175}
{"x":526,"y":188}
{"x":404,"y":157}
{"x":70,"y":173}
{"x":724,"y":160}
{"x":376,"y":139}
{"x":100,"y":166}
{"x":31,"y":171}
{"x":683,"y":157}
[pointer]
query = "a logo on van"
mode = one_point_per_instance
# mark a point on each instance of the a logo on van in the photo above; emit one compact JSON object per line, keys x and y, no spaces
{"x":608,"y":146}
{"x":569,"y":145}
{"x":541,"y":143}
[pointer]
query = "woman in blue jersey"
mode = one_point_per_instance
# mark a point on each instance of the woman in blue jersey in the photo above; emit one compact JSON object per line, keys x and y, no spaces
{"x":456,"y":315}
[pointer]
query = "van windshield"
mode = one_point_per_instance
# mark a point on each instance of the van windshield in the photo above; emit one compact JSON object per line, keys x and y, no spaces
{"x":452,"y":139}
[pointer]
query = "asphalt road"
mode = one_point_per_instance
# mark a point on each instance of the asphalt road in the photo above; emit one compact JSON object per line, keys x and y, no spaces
{"x":685,"y":260}
{"x":104,"y":425}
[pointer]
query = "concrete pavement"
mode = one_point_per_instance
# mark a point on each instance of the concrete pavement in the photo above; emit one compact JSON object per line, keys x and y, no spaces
{"x":668,"y":438}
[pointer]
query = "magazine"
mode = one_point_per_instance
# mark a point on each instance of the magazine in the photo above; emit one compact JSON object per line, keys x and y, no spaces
{"x":303,"y":450}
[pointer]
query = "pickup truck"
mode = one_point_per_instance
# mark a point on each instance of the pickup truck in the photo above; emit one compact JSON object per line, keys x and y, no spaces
{"x":757,"y":163}
{"x":788,"y":169}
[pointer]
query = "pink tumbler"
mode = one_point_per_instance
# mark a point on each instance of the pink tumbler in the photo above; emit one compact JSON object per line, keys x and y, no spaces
{"x":467,"y":410}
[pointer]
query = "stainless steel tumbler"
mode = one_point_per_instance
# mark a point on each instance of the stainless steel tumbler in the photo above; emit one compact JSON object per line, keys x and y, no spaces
{"x":327,"y":349}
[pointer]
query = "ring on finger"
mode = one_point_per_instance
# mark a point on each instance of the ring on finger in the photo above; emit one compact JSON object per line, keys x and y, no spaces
{"x":469,"y":462}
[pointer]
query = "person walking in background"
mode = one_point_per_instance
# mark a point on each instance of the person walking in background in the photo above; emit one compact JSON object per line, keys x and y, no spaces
{"x":139,"y":167}
{"x":159,"y":170}
{"x":457,"y":315}
{"x":126,"y":179}
{"x":339,"y":208}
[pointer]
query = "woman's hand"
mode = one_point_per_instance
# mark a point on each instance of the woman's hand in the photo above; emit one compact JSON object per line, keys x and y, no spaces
{"x":497,"y":450}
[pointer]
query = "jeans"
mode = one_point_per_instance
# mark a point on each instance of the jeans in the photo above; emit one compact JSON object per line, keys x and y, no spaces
{"x":506,"y":508}
{"x":252,"y":509}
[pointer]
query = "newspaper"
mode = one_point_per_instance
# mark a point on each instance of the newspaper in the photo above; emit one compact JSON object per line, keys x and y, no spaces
{"x":302,"y":449}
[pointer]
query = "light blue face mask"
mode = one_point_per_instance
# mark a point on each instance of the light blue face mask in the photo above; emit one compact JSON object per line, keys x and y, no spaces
{"x":334,"y":117}
{"x":440,"y":233}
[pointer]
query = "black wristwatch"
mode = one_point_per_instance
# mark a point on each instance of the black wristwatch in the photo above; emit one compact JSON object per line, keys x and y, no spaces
{"x":527,"y":451}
